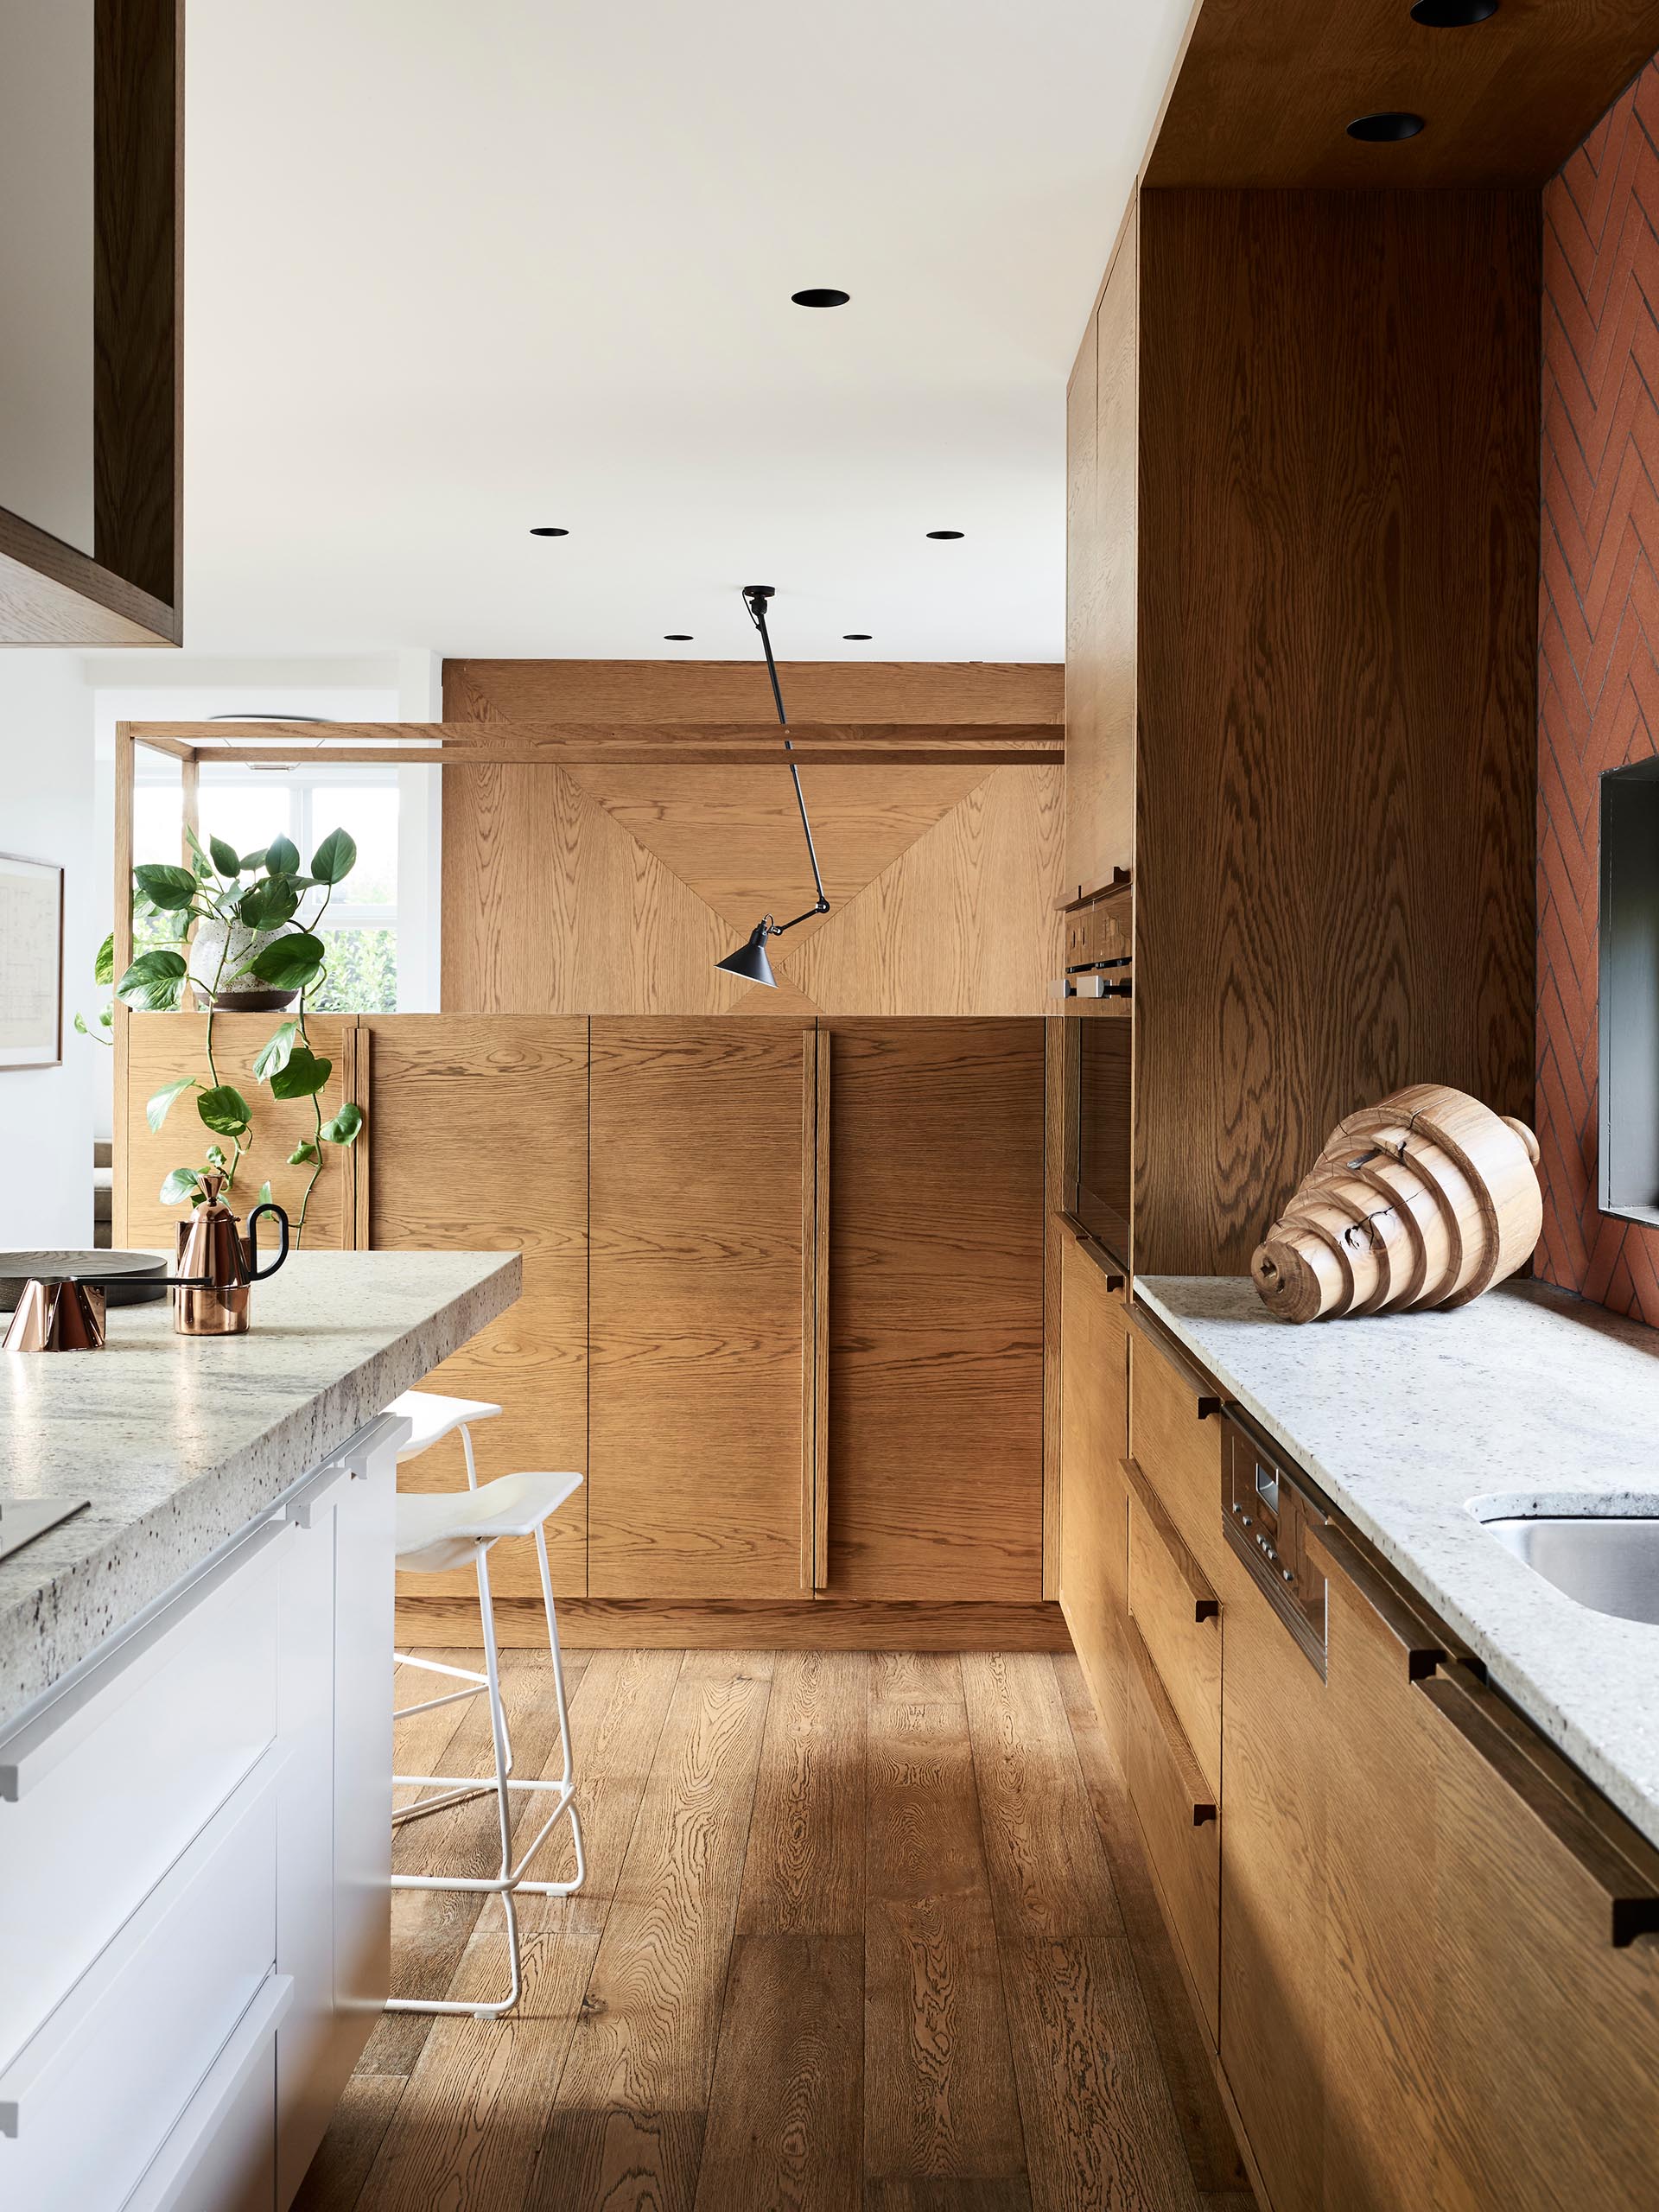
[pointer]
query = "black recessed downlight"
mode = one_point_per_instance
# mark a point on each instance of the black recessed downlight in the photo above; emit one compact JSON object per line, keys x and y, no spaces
{"x":676,"y":637}
{"x":947,"y":533}
{"x":820,"y":295}
{"x":549,"y":530}
{"x":856,"y":637}
{"x":1386,"y":128}
{"x":1452,"y":15}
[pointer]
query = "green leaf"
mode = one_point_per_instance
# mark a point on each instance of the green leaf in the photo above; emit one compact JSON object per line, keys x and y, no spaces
{"x":269,"y":902}
{"x":179,"y":1185}
{"x":264,"y":1194}
{"x":103,"y":966}
{"x":290,"y":963}
{"x":226,"y":859}
{"x":274,"y":1055}
{"x":281,"y":857}
{"x":344,"y":1128}
{"x":303,"y":1077}
{"x":224,"y":1110}
{"x":251,"y":860}
{"x":216,"y":1156}
{"x":80,"y":1025}
{"x":155,"y":1110}
{"x":335,"y":858}
{"x":155,"y":980}
{"x":171,"y":889}
{"x":304,"y":1151}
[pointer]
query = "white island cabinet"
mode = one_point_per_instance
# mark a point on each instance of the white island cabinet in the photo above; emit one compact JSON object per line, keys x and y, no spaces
{"x":195,"y":1811}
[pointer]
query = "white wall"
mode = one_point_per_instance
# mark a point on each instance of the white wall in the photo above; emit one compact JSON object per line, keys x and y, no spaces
{"x":46,"y":814}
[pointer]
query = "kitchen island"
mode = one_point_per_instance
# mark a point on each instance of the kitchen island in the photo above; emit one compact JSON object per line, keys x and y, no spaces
{"x":195,"y":1753}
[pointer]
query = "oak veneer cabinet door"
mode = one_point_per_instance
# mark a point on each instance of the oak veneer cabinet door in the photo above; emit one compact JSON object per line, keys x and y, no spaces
{"x":1546,"y":2027}
{"x":700,"y":1357}
{"x":1273,"y":1752}
{"x":477,"y":1141}
{"x":935,"y":1211}
{"x":1093,"y":1492}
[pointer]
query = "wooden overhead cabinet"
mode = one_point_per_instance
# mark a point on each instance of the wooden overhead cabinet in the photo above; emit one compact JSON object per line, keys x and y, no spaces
{"x":91,"y":475}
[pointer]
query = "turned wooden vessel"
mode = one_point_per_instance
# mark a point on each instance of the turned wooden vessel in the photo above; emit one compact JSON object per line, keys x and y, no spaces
{"x":1426,"y":1198}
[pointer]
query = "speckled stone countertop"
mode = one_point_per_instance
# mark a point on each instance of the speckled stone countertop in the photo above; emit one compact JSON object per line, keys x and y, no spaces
{"x":180,"y":1442}
{"x":1526,"y":1402}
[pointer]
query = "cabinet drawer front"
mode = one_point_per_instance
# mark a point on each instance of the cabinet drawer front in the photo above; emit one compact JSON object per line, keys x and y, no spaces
{"x":1176,"y":1444}
{"x":95,"y":2093}
{"x":1182,"y":1834}
{"x":161,"y":1737}
{"x":1180,"y":1620}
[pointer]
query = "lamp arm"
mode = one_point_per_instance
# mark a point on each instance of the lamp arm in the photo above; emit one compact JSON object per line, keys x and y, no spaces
{"x":823,"y":908}
{"x":754,"y":598}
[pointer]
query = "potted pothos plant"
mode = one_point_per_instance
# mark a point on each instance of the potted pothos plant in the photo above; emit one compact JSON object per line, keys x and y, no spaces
{"x":249,"y":913}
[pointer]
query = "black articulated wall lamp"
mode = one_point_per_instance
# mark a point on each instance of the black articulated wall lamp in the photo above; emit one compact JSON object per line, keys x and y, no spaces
{"x":750,"y":960}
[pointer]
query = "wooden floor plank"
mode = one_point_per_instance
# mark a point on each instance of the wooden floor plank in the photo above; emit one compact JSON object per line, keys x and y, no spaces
{"x":470,"y":2128}
{"x":940,"y":2099}
{"x":804,"y":1872}
{"x":1047,"y":1863}
{"x":643,"y":2055}
{"x":1206,"y":2134}
{"x":785,"y":2127}
{"x":890,"y":2195}
{"x":361,"y":2123}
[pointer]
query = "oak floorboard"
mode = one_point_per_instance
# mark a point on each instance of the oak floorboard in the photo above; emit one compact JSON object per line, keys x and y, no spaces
{"x":361,"y":2122}
{"x":634,"y":2087}
{"x":804,"y":1872}
{"x":1011,"y":2194}
{"x":1047,"y":1864}
{"x":1206,"y":2134}
{"x":471,"y":2125}
{"x":786,"y":2131}
{"x":939,"y":2098}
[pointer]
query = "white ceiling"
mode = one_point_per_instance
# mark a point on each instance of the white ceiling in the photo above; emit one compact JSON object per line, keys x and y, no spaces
{"x":457,"y":267}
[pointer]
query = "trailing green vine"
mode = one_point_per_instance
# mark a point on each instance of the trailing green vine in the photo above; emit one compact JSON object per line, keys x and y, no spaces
{"x":213,"y":889}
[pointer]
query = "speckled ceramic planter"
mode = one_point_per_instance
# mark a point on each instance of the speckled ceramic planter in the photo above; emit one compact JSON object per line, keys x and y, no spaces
{"x":244,"y":995}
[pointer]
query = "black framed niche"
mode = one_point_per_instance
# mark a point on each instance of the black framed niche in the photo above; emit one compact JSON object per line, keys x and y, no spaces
{"x":1628,"y":992}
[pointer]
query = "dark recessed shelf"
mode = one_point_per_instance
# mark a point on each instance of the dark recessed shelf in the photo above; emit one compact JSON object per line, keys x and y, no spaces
{"x":1453,"y":15}
{"x":1086,"y":898}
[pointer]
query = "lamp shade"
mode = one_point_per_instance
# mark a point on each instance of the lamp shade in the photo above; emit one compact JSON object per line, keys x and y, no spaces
{"x":750,"y":960}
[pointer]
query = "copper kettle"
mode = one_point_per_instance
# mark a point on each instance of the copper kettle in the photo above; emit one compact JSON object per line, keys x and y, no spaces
{"x":217,"y":1264}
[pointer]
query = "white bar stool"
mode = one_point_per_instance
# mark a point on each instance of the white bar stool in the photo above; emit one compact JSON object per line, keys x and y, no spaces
{"x":444,"y":1529}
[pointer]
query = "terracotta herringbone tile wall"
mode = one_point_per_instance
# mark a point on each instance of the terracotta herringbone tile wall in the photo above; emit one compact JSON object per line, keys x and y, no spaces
{"x":1597,"y":644}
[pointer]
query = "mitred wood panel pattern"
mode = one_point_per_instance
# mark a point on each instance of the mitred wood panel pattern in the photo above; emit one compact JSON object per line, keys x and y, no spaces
{"x":1338,"y":535}
{"x":1597,"y":648}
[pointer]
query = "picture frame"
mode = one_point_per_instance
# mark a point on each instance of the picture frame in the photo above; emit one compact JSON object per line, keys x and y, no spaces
{"x":31,"y":963}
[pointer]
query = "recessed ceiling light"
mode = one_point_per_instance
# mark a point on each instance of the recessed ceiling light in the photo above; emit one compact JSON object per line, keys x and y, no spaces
{"x":1387,"y":128}
{"x":946,"y":533}
{"x":856,"y":637}
{"x":549,"y":530}
{"x":676,"y":637}
{"x":1452,"y":15}
{"x":820,"y":295}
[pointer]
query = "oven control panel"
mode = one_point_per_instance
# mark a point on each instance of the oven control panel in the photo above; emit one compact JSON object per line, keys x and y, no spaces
{"x":1266,"y":1508}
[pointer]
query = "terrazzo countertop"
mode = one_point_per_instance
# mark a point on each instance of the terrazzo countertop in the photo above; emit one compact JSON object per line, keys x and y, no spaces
{"x":181,"y":1441}
{"x":1526,"y":1402}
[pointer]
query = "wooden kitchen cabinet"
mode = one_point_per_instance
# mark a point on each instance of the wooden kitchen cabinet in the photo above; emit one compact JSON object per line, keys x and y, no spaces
{"x":935,"y":1213}
{"x":1094,"y":1491}
{"x":699,"y":1344}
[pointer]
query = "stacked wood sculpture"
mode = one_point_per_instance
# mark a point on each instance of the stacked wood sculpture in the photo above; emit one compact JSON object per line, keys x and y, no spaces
{"x":1425,"y":1199}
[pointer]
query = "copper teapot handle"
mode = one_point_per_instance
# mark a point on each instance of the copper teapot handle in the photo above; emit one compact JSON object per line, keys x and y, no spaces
{"x":256,"y":1273}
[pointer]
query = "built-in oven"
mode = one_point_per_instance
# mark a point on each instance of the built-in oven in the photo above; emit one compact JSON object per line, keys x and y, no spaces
{"x":1099,"y":1164}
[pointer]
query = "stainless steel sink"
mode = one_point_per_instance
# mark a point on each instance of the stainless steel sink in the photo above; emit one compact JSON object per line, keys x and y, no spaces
{"x":1605,"y":1562}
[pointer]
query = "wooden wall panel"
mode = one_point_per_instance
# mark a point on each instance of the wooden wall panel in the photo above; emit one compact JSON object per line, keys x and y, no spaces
{"x":478,"y":1141}
{"x":163,"y":1046}
{"x":1334,"y":813}
{"x":936,"y":1309}
{"x":697,"y":1170}
{"x":1103,"y":462}
{"x":962,"y":923}
{"x":549,"y":906}
{"x":737,"y":690}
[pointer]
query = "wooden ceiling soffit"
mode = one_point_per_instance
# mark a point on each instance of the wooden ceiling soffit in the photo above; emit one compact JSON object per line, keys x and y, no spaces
{"x":781,"y":998}
{"x":733,"y":835}
{"x":1262,"y":96}
{"x":961,"y":922}
{"x":658,"y":692}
